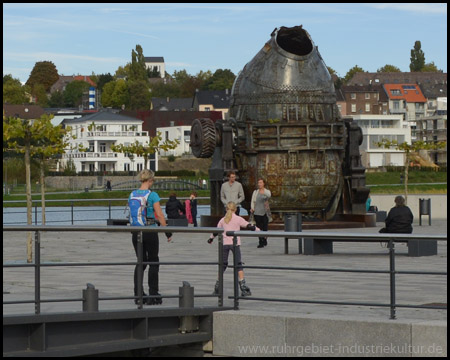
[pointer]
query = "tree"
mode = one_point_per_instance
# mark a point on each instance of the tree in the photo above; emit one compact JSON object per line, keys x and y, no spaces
{"x":44,"y":73}
{"x":56,"y":99}
{"x":41,"y":96}
{"x":73,"y":94}
{"x":115,"y":94}
{"x":388,"y":68}
{"x":430,"y":67}
{"x":221,"y":80}
{"x":140,"y":97}
{"x":13,"y":91}
{"x":352,"y":72}
{"x":147,"y":149}
{"x":138,"y":70}
{"x":32,"y":137}
{"x":417,"y":57}
{"x":408,"y":149}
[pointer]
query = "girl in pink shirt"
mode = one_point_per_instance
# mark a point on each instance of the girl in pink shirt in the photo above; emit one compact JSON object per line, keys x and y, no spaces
{"x":233,"y":222}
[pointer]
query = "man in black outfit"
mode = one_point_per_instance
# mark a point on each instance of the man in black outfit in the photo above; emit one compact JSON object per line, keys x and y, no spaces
{"x":174,"y":208}
{"x":399,"y":219}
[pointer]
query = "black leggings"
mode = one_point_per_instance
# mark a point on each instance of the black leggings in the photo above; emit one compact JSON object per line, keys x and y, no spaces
{"x":226,"y":252}
{"x":263,"y":223}
{"x":150,"y":247}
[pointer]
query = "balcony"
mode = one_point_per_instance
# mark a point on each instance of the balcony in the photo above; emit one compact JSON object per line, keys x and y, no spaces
{"x":116,"y":133}
{"x":91,"y":155}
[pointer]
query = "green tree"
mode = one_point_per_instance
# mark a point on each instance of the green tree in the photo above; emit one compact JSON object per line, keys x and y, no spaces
{"x":388,"y":68}
{"x":221,"y":80}
{"x":430,"y":67}
{"x":138,"y":70}
{"x":73,"y":94}
{"x":139,"y":95}
{"x":417,"y":58}
{"x":56,"y":99}
{"x":355,"y":69}
{"x":147,"y":149}
{"x":44,"y":73}
{"x":41,"y":96}
{"x":13,"y":91}
{"x":409,"y":149}
{"x":32,"y":138}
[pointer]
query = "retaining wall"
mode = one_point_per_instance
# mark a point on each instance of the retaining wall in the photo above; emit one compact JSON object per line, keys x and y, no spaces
{"x":252,"y":333}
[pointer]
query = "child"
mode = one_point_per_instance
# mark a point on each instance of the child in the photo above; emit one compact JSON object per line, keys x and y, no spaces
{"x":233,"y":222}
{"x":191,"y":209}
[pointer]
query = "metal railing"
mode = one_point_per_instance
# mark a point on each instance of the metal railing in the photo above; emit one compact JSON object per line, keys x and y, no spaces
{"x":36,"y":204}
{"x":140,"y":230}
{"x":391,"y":239}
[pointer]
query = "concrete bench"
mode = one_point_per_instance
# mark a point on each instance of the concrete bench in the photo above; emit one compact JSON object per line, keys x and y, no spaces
{"x":177,"y":222}
{"x":117,"y":222}
{"x":415,"y":247}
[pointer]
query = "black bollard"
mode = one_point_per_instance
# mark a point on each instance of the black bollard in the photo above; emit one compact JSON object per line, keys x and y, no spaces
{"x":188,"y":324}
{"x":90,"y":298}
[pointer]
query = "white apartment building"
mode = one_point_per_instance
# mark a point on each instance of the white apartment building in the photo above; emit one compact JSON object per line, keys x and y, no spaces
{"x":97,"y":132}
{"x":180,"y":133}
{"x":378,"y":127}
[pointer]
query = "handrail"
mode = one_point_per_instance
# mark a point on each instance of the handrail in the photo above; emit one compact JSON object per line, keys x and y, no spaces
{"x":339,"y":237}
{"x":140,"y":230}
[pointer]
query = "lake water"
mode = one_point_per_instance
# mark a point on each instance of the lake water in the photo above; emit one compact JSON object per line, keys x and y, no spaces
{"x":89,"y":215}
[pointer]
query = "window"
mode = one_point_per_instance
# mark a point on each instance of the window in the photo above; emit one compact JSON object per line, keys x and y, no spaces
{"x":124,"y":127}
{"x":91,"y":167}
{"x":126,"y":167}
{"x":102,"y":167}
{"x":207,"y":109}
{"x":367,"y":96}
{"x":396,"y":92}
{"x":353,"y":107}
{"x":102,"y":147}
{"x":353,"y":96}
{"x":367,"y":107}
{"x":140,"y":167}
{"x":396,"y":105}
{"x":91,"y":146}
{"x":167,"y":135}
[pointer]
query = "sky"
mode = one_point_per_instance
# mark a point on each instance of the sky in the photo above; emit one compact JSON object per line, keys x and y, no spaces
{"x":86,"y":38}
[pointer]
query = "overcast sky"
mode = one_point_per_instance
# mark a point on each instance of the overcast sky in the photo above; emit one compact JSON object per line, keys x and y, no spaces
{"x":86,"y":38}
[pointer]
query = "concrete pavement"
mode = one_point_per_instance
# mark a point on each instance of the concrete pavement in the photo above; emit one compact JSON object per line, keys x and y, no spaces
{"x":114,"y":280}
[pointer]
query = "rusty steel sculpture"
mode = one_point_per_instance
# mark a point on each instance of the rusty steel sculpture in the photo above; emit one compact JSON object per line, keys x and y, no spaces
{"x":284,"y":126}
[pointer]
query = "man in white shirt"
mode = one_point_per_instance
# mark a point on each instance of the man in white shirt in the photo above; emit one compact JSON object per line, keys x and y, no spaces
{"x":232,"y":191}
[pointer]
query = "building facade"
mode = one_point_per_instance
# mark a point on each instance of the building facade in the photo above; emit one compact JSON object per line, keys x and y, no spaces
{"x":374,"y":129}
{"x":97,"y":132}
{"x":180,"y":133}
{"x":157,"y":62}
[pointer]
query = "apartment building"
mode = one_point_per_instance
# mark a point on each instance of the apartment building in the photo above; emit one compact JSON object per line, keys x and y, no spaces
{"x":97,"y":132}
{"x":374,"y":129}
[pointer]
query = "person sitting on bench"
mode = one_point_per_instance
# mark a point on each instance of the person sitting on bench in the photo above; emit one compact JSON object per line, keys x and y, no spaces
{"x":399,"y":219}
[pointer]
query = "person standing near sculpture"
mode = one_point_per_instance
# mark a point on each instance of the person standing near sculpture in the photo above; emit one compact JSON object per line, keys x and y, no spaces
{"x":145,"y":210}
{"x":232,"y":190}
{"x":260,"y":209}
{"x":399,"y":219}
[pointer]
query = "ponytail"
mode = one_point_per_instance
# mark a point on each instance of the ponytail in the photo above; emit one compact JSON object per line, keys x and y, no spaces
{"x":231,"y":208}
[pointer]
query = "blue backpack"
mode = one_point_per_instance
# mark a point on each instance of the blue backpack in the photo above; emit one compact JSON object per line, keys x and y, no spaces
{"x":137,"y":203}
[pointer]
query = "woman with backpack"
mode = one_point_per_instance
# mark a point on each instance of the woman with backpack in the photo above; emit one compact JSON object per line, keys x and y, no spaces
{"x":145,"y":208}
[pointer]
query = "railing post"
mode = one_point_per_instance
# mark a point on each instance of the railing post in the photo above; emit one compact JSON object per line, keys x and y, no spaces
{"x":235,"y":277}
{"x":71,"y":207}
{"x":220,"y":277}
{"x":35,"y":214}
{"x":90,"y":298}
{"x":140,"y":272}
{"x":109,"y":209}
{"x":392,"y":277}
{"x":37,"y":273}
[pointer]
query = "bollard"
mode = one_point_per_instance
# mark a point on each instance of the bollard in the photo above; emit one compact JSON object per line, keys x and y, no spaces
{"x":90,"y":298}
{"x":292,"y":223}
{"x":188,"y":324}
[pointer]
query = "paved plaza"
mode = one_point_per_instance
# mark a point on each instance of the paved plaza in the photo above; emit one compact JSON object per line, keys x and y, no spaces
{"x":115,"y":280}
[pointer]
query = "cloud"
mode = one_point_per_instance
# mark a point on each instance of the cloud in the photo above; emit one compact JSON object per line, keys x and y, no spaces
{"x":417,"y":8}
{"x":38,"y":56}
